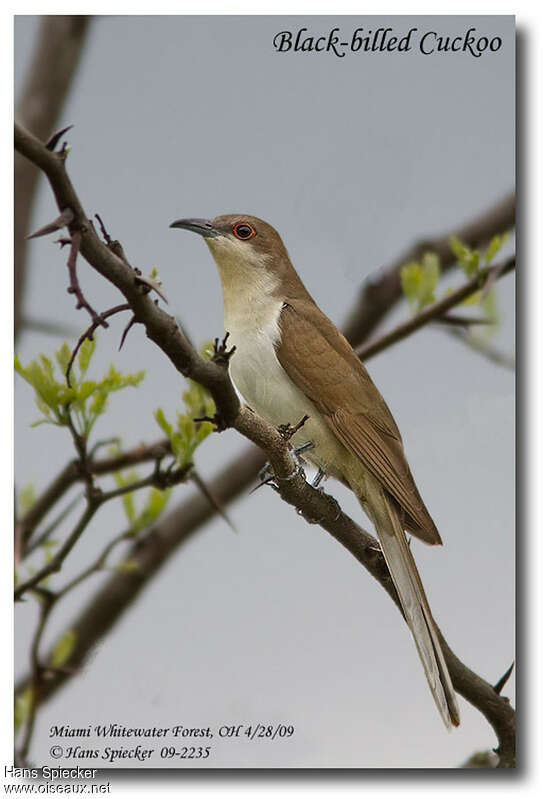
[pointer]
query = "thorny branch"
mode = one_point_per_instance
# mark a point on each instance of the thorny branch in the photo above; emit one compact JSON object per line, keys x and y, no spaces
{"x":60,"y":42}
{"x":89,"y":333}
{"x":162,"y":329}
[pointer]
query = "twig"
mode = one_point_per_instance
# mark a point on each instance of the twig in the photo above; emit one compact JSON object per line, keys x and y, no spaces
{"x":57,"y":560}
{"x":72,"y":474}
{"x":95,"y":499}
{"x":430,"y":313}
{"x":383,"y":288}
{"x":97,"y":565}
{"x":47,"y":602}
{"x":156,"y":479}
{"x":462,"y":321}
{"x":42,"y":537}
{"x":89,"y":333}
{"x":485,"y":349}
{"x":74,"y":287}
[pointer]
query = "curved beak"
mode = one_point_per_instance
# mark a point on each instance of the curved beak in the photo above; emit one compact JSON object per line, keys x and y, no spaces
{"x":202,"y":226}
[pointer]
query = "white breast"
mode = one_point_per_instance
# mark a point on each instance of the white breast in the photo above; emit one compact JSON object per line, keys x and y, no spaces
{"x":268,"y":390}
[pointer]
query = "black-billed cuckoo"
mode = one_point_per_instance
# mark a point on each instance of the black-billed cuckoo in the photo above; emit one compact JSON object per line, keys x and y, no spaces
{"x":291,"y":361}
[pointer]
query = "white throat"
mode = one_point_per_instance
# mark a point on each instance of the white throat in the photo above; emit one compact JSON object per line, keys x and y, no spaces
{"x":247,"y":287}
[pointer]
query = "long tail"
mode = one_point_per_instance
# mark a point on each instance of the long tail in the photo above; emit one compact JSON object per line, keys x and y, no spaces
{"x":415,"y":606}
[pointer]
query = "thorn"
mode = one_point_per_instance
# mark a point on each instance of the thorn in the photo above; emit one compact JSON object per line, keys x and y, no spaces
{"x":61,"y":221}
{"x":269,"y":481}
{"x":153,"y":285}
{"x":212,"y":499}
{"x":105,"y":234}
{"x":125,"y":331}
{"x":501,"y":682}
{"x":54,"y":140}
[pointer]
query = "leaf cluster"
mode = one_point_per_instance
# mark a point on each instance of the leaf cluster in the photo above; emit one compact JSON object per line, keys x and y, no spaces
{"x":154,"y":505}
{"x":419,"y":278}
{"x":85,"y":401}
{"x":187,"y":435}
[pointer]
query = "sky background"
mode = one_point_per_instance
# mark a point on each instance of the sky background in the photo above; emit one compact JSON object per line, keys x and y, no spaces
{"x":352,"y":160}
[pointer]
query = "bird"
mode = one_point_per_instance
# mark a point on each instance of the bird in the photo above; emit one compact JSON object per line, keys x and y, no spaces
{"x":291,"y":361}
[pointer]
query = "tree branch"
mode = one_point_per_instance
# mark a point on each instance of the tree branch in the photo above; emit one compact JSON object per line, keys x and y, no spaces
{"x":484,"y":348}
{"x":60,"y":43}
{"x":382,"y":290}
{"x":162,"y":329}
{"x":72,"y":474}
{"x":434,"y":311}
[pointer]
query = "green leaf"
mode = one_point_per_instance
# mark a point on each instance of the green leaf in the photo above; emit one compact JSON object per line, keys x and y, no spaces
{"x":163,"y":423}
{"x":44,"y":408}
{"x":473,"y":299}
{"x":98,"y":405}
{"x":63,"y":356}
{"x":467,"y":258}
{"x":27,"y":497}
{"x":490,"y":307}
{"x":85,"y":389}
{"x":128,"y":567}
{"x":23,"y":704}
{"x":48,"y":368}
{"x":86,"y":352}
{"x":129,"y":507}
{"x":496,"y":243}
{"x":457,"y":247}
{"x":63,"y":648}
{"x":207,"y":350}
{"x":419,"y":281}
{"x":156,"y":502}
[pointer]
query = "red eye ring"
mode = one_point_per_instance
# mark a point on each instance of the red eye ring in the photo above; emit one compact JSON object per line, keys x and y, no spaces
{"x":243,"y":231}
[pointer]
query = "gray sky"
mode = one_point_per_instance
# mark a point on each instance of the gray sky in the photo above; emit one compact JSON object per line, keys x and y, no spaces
{"x":351,"y":159}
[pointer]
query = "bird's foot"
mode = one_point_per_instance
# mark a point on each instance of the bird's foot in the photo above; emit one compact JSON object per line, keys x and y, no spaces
{"x":318,"y":479}
{"x":221,"y":355}
{"x":267,"y":476}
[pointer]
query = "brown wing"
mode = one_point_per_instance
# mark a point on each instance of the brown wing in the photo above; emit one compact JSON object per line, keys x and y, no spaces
{"x":323,"y":365}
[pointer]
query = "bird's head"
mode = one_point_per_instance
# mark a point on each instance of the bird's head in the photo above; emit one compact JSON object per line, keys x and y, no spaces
{"x":240,"y":244}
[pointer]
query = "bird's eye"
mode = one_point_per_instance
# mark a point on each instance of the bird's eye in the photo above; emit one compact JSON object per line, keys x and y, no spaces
{"x":243,"y":231}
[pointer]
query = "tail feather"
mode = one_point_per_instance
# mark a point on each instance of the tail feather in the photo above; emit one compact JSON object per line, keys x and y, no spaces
{"x":415,"y":605}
